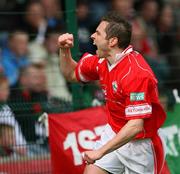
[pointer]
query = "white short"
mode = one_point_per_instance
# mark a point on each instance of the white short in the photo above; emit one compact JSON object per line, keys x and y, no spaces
{"x":135,"y":157}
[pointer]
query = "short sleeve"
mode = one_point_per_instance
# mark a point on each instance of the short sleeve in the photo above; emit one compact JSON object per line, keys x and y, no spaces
{"x":138,"y":98}
{"x":87,"y":68}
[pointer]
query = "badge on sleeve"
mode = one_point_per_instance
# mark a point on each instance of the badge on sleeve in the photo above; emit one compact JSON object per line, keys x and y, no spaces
{"x":137,"y":96}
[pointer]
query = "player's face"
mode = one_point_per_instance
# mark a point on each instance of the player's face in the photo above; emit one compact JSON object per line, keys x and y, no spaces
{"x":99,"y":39}
{"x":19,"y":44}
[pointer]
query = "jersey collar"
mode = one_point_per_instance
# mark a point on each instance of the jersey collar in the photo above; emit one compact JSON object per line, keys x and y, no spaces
{"x":120,"y":56}
{"x":126,"y":51}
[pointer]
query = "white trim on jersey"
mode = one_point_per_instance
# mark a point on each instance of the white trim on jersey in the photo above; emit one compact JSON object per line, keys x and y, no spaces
{"x":82,"y":78}
{"x":88,"y":55}
{"x":143,"y":68}
{"x":120,"y":57}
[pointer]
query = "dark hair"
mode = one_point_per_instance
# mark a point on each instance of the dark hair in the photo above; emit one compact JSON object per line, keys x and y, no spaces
{"x":17,"y":32}
{"x":59,"y":29}
{"x":118,"y":27}
{"x":24,"y":70}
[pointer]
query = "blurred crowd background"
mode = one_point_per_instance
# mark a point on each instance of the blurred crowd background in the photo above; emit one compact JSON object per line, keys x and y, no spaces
{"x":31,"y":82}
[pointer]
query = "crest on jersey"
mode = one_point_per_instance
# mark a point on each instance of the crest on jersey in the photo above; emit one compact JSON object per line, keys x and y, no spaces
{"x":114,"y":86}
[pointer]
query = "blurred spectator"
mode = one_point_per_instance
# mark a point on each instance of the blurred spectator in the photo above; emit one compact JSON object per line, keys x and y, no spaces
{"x":165,"y":30}
{"x":47,"y":55}
{"x":176,"y":11}
{"x":37,"y":54}
{"x":34,"y":22}
{"x":57,"y":85}
{"x":166,"y":38}
{"x":5,"y":25}
{"x":14,"y":56}
{"x":10,"y":18}
{"x":7,"y":140}
{"x":166,"y":45}
{"x":97,"y":9}
{"x":139,"y":38}
{"x":28,"y":101}
{"x":12,"y":141}
{"x":144,"y":29}
{"x":84,"y":28}
{"x":53,"y":13}
{"x":175,"y":4}
{"x":124,"y":7}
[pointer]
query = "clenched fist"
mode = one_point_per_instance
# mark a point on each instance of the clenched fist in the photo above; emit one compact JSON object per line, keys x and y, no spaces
{"x":66,"y":40}
{"x":91,"y":156}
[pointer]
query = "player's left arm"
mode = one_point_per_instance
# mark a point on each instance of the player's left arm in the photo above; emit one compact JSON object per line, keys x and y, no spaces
{"x":126,"y":134}
{"x":137,"y":108}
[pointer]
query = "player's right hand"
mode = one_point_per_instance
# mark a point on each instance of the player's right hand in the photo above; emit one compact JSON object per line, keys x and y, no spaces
{"x":66,"y":41}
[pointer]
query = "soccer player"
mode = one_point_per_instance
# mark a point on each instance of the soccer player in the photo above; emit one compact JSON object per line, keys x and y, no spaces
{"x":130,"y":143}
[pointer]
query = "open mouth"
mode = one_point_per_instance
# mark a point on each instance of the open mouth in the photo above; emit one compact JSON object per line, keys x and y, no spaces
{"x":95,"y":45}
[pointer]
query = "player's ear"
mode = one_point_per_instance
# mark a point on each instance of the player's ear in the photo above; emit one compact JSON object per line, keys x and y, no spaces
{"x":113,"y":41}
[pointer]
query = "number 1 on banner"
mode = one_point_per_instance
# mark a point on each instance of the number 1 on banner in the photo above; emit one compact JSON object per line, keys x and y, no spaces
{"x":71,"y":142}
{"x":85,"y":140}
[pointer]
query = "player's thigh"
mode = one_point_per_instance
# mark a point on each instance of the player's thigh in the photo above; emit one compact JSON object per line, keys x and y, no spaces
{"x":93,"y":169}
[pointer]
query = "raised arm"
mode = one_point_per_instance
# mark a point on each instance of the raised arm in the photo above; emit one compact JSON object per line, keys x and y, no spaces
{"x":67,"y":64}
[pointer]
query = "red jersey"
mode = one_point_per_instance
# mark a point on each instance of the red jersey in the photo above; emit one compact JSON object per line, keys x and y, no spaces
{"x":130,"y":89}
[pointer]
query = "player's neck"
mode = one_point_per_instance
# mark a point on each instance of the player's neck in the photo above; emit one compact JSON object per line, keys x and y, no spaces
{"x":114,"y":55}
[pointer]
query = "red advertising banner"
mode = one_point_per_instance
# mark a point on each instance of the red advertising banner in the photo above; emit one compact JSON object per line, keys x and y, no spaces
{"x":70,"y":134}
